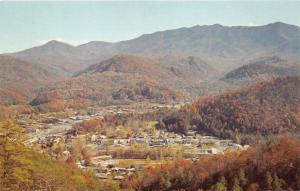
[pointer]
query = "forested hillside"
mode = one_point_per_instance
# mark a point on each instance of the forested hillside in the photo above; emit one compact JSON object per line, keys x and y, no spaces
{"x":22,"y":168}
{"x":264,"y":109}
{"x":275,"y":166}
{"x":127,"y":78}
{"x":262,"y":69}
{"x":20,"y":79}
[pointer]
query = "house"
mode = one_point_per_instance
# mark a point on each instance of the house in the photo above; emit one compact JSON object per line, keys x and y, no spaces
{"x":121,"y":141}
{"x":118,"y":177}
{"x":101,"y":175}
{"x":211,"y":151}
{"x":190,"y":140}
{"x":94,"y":138}
{"x":235,"y":146}
{"x":191,"y":133}
{"x":118,"y":170}
{"x":158,"y":143}
{"x":80,"y":165}
{"x":102,"y":157}
{"x":138,"y":140}
{"x":178,"y":140}
{"x":66,"y":153}
{"x":130,"y":170}
{"x":246,"y":147}
{"x":102,"y":137}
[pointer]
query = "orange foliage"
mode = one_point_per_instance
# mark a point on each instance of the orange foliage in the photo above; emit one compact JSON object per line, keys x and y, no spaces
{"x":247,"y":169}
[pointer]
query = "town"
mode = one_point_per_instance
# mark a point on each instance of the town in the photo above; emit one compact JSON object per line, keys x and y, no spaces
{"x":114,"y":152}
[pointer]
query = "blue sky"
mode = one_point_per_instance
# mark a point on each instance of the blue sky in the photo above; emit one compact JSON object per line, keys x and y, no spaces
{"x":27,"y":24}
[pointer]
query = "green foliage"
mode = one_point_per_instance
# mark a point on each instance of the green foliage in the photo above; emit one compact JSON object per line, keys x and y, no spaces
{"x":220,"y":185}
{"x":15,"y":167}
{"x":24,"y":169}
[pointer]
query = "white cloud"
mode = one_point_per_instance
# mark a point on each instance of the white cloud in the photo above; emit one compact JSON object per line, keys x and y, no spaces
{"x":72,"y":42}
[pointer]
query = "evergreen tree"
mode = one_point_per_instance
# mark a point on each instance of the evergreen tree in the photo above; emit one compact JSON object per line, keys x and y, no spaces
{"x":15,"y":168}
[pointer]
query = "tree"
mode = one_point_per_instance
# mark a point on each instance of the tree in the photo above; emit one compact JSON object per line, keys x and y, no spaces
{"x":268,"y":181}
{"x":15,"y":167}
{"x":221,"y":185}
{"x":253,"y":187}
{"x":236,"y":185}
{"x":165,"y":181}
{"x":277,"y":183}
{"x":242,"y":177}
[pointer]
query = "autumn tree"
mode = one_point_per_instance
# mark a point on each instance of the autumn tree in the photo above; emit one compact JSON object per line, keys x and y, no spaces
{"x":220,"y":185}
{"x":15,"y":168}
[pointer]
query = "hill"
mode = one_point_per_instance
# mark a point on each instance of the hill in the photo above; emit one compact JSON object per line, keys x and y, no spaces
{"x":269,"y":167}
{"x":263,"y":68}
{"x":264,"y":109}
{"x":127,"y":78}
{"x":22,"y":168}
{"x":225,"y":47}
{"x":19,"y":79}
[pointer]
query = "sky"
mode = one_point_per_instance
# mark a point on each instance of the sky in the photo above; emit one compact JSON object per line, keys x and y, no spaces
{"x":27,"y":24}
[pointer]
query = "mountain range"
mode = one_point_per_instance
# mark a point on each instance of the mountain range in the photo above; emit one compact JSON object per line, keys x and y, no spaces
{"x":212,"y":42}
{"x":167,"y":65}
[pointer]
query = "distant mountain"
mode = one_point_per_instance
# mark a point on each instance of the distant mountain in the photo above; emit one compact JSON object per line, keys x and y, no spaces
{"x":263,"y":68}
{"x":127,"y":78}
{"x":185,"y":61}
{"x":217,"y":40}
{"x":263,"y":109}
{"x":19,"y":79}
{"x":219,"y":45}
{"x":57,"y":55}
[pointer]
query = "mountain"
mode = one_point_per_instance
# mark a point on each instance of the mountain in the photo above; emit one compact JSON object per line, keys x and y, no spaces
{"x":60,"y":56}
{"x":263,"y":109}
{"x":217,"y":40}
{"x":263,"y":68}
{"x":185,"y":61}
{"x":223,"y":47}
{"x":19,"y":79}
{"x":126,"y":78}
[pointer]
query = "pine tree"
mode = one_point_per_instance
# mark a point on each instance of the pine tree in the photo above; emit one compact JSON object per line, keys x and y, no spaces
{"x":15,"y":168}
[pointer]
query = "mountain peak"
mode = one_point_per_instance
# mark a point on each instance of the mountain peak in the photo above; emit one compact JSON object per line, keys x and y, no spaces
{"x":56,"y":43}
{"x":281,"y":25}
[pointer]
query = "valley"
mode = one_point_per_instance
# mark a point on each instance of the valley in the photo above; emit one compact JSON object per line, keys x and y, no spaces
{"x":207,"y":107}
{"x":115,"y":152}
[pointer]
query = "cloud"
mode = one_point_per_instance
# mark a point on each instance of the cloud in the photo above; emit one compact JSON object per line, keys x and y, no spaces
{"x":72,"y":42}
